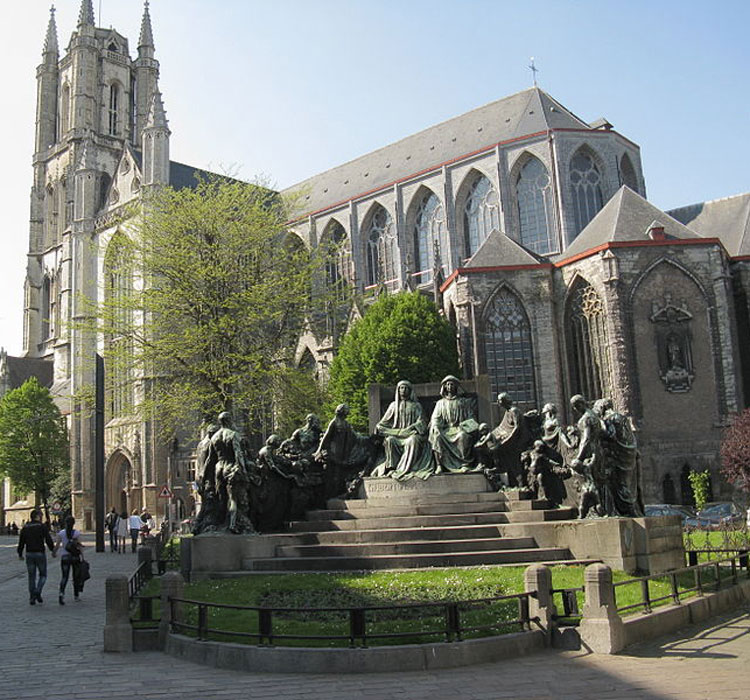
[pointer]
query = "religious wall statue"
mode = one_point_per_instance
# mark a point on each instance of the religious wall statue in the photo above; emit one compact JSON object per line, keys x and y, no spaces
{"x":622,"y":493}
{"x":512,"y":437}
{"x":404,"y":431}
{"x":453,"y":429}
{"x":671,"y":321}
{"x":231,"y":474}
{"x":347,"y":454}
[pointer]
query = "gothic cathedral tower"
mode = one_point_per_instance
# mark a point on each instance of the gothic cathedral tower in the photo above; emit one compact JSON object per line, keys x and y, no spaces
{"x":93,"y":104}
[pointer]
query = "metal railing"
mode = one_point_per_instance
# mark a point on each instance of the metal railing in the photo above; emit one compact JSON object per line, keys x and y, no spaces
{"x":358,"y":624}
{"x":566,"y":600}
{"x":721,"y":570}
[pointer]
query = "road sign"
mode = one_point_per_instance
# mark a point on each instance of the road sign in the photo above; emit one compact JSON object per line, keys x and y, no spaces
{"x":165,"y":492}
{"x":56,"y":506}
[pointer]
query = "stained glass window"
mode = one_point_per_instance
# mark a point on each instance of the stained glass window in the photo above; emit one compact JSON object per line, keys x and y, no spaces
{"x":481,"y":214}
{"x":507,"y":348}
{"x":588,"y":345}
{"x":380,"y":248}
{"x":336,"y":258}
{"x":534,"y":198}
{"x":430,"y":237}
{"x":585,"y":180}
{"x":627,"y":173}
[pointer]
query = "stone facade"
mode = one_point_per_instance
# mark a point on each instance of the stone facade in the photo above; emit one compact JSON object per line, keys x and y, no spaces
{"x":528,"y":226}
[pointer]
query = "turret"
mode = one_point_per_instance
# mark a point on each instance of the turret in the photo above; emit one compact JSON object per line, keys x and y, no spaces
{"x":85,"y":183}
{"x":47,"y":81}
{"x":146,"y":74}
{"x":156,"y":144}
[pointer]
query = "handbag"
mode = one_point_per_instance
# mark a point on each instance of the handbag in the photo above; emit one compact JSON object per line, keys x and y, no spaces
{"x":85,"y":571}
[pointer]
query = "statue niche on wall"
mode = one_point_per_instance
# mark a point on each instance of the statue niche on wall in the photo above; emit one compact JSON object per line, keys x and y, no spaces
{"x":673,"y":343}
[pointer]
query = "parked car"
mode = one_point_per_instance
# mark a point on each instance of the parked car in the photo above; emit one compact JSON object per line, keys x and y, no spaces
{"x":718,"y":516}
{"x":655,"y":509}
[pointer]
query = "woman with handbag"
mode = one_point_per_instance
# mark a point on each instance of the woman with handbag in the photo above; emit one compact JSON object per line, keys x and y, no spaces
{"x":72,"y":553}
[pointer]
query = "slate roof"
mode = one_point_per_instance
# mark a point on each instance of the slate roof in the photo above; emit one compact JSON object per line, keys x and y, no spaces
{"x":499,"y":251}
{"x":727,"y":219}
{"x":180,"y":174}
{"x":22,"y":368}
{"x":625,"y":217}
{"x":522,"y":114}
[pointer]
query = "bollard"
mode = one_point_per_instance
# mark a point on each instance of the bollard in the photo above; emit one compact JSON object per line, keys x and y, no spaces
{"x":538,"y":581}
{"x":172,"y":585}
{"x":601,"y":629}
{"x":146,"y":555}
{"x":118,"y":632}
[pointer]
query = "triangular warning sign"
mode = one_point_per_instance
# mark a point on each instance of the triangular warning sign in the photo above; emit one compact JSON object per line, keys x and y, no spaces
{"x":165,"y":492}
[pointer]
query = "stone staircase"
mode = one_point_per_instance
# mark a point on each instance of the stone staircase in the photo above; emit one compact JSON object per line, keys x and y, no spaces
{"x":448,"y":520}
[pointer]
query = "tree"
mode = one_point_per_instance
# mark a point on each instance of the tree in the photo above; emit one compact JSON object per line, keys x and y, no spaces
{"x":700,"y":482}
{"x":34,"y":448}
{"x":735,"y":452}
{"x":207,"y":296}
{"x":401,"y":336}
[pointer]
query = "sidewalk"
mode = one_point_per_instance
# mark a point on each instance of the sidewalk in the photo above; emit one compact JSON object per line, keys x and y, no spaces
{"x":710,"y":662}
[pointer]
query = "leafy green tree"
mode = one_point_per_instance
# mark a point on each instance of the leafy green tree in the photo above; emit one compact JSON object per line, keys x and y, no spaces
{"x":208,"y":299}
{"x":34,"y":449}
{"x":700,"y":482}
{"x":401,"y":336}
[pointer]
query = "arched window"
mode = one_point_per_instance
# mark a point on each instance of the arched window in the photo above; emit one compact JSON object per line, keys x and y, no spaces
{"x":337,"y":261}
{"x":627,"y":173}
{"x":588,"y":345}
{"x":114,"y":99}
{"x":535,"y":211}
{"x":46,"y":307}
{"x":379,"y":241}
{"x":481,"y":214}
{"x":64,"y":110}
{"x":307,"y":363}
{"x":507,"y":348}
{"x":430,"y":240}
{"x":50,"y":220}
{"x":585,"y":181}
{"x":118,"y":280}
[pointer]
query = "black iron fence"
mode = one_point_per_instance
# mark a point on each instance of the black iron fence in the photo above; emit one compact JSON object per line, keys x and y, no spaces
{"x":686,"y":582}
{"x":355,"y":626}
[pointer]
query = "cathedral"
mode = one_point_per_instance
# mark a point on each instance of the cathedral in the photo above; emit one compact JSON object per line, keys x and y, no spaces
{"x":528,"y":226}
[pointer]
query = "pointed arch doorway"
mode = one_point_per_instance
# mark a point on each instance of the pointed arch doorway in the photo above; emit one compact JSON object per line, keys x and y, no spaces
{"x":118,"y":480}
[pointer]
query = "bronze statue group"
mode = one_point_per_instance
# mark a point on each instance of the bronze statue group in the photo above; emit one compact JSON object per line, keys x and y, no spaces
{"x":244,"y":492}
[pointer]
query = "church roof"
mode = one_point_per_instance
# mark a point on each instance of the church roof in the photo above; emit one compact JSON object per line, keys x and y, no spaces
{"x":625,"y":217}
{"x":498,"y":250}
{"x":727,"y":219}
{"x":525,"y":113}
{"x":22,"y":368}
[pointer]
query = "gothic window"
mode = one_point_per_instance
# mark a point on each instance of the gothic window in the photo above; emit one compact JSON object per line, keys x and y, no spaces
{"x":481,"y":214}
{"x":588,"y":345}
{"x":50,"y":221}
{"x":46,"y":307}
{"x":534,"y":198}
{"x":337,"y":261}
{"x":118,"y":277}
{"x":430,"y":239}
{"x":114,"y":98}
{"x":64,"y":110}
{"x":507,"y":348}
{"x":627,"y":173}
{"x":379,"y":241}
{"x":585,"y":180}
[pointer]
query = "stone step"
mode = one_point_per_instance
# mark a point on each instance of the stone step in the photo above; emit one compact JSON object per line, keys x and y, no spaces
{"x":392,"y":511}
{"x":410,"y":561}
{"x":397,"y":498}
{"x":445,"y":520}
{"x":367,"y":549}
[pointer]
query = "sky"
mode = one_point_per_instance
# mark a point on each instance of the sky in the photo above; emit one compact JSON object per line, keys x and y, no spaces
{"x":286,"y":89}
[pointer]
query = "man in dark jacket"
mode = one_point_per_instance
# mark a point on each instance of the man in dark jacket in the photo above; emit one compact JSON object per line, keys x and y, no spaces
{"x":33,"y":537}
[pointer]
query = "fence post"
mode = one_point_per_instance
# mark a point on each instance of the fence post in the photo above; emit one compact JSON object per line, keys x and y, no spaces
{"x":601,"y":628}
{"x":538,"y":581}
{"x":118,"y":632}
{"x":172,"y":585}
{"x":145,"y":555}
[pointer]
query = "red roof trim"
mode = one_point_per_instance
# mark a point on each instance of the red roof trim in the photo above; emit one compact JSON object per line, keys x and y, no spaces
{"x":635,"y":244}
{"x":494,"y":268}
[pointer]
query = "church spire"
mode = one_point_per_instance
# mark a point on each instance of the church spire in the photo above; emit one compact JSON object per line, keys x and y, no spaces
{"x":157,"y":117}
{"x":86,"y":13}
{"x":146,"y":39}
{"x":156,"y":143}
{"x":50,"y":40}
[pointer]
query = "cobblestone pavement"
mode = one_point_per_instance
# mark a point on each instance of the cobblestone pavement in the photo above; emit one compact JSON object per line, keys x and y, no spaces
{"x":54,"y":652}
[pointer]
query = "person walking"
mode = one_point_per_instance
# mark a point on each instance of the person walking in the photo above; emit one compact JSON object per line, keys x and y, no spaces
{"x":111,"y":524}
{"x":68,"y":540}
{"x":135,"y":524}
{"x":34,"y":535}
{"x":122,"y":531}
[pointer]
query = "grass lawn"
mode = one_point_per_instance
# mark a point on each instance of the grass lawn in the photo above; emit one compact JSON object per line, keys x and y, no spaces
{"x":297,"y":593}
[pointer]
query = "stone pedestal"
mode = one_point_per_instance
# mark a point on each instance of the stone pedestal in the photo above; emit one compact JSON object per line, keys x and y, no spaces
{"x":387,"y":488}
